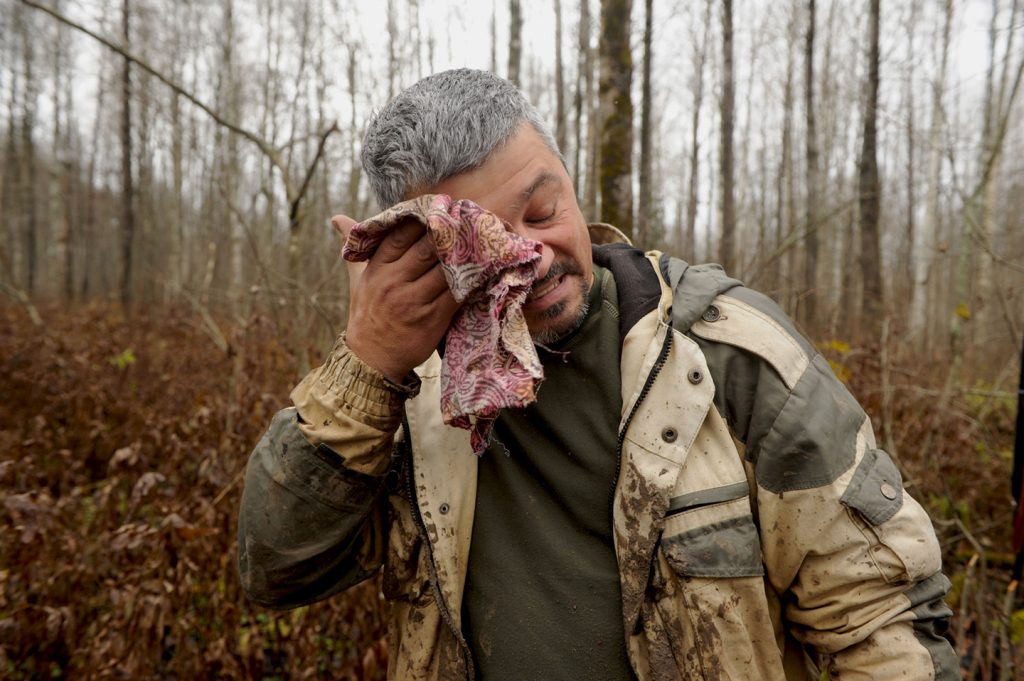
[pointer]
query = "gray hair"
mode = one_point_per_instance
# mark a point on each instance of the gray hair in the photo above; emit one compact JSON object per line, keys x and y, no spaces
{"x":443,"y":125}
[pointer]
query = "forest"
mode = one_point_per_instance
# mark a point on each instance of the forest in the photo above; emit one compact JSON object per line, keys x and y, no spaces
{"x":168,"y":271}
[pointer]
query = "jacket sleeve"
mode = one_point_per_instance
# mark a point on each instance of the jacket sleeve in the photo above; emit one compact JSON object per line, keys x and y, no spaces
{"x":852,"y":555}
{"x":313,"y":517}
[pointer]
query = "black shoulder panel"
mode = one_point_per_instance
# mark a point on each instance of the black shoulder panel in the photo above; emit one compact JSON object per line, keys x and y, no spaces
{"x":637,"y":282}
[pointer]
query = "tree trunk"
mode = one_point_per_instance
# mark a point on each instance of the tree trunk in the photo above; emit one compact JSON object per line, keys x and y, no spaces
{"x":786,"y":213}
{"x":176,"y":237}
{"x":726,"y":244}
{"x":62,"y":188}
{"x":616,"y":115}
{"x":700,"y":52}
{"x":144,"y":257}
{"x":559,"y":81}
{"x":582,"y":75}
{"x":494,"y":38}
{"x":229,"y":250}
{"x":808,"y":308}
{"x":906,"y":279}
{"x":90,"y":221}
{"x":28,"y":159}
{"x":393,"y":40}
{"x":355,"y":168}
{"x":127,"y":186}
{"x":872,"y":307}
{"x":644,"y":228}
{"x":591,"y":196}
{"x":926,"y":243}
{"x":515,"y":41}
{"x":8,"y":197}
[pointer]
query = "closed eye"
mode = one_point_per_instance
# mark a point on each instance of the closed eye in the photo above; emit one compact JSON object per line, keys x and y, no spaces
{"x":544,"y":219}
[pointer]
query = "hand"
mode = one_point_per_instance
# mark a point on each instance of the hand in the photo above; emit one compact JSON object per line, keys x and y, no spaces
{"x":400,"y":305}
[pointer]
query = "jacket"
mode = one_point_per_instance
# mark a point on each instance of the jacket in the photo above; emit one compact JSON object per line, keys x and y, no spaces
{"x":759,"y":531}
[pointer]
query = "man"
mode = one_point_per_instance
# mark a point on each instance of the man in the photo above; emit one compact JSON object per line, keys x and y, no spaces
{"x":693,"y":495}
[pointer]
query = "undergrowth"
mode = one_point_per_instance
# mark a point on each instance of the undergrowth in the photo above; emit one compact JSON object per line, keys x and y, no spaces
{"x":122,"y":448}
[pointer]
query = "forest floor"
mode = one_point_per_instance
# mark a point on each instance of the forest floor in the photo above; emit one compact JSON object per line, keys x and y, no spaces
{"x":123,"y":444}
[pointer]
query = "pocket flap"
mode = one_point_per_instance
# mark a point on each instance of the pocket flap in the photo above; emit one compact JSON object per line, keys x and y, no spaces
{"x":727,"y":548}
{"x":876,"y":490}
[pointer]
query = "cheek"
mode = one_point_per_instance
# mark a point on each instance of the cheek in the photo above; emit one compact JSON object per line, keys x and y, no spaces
{"x":581,"y":245}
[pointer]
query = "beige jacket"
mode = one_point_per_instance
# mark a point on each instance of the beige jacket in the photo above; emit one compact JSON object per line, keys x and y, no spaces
{"x":759,"y":532}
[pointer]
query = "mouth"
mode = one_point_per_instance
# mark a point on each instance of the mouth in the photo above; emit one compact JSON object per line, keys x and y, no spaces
{"x":544,"y":288}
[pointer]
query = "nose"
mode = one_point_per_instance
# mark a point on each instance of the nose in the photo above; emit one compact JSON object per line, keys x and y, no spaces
{"x":520,"y":228}
{"x":547,"y":258}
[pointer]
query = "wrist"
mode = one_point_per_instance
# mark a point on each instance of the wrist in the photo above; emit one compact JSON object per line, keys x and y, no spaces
{"x":395,"y":373}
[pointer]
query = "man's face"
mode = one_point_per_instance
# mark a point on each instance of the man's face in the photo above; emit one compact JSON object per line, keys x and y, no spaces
{"x":526,"y":185}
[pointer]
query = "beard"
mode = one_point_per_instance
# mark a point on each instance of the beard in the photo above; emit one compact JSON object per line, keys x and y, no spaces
{"x":553,"y":327}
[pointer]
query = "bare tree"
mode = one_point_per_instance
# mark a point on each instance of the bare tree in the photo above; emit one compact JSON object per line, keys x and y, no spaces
{"x":584,"y":80}
{"x":785,"y":217}
{"x":906,"y":278}
{"x":808,"y":308}
{"x":9,"y":207}
{"x":223,"y":156}
{"x":494,"y":37}
{"x":727,"y":108}
{"x":127,"y":189}
{"x":979,"y":225}
{"x":29,"y":94}
{"x":591,"y":197}
{"x":515,"y":41}
{"x":616,"y":115}
{"x":645,"y":210}
{"x":560,"y":131}
{"x":355,"y":168}
{"x":295,"y":188}
{"x":393,"y":43}
{"x":872,"y":307}
{"x":926,"y":241}
{"x":698,"y":59}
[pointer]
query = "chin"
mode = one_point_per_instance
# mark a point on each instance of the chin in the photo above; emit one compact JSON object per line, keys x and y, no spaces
{"x":562,"y":318}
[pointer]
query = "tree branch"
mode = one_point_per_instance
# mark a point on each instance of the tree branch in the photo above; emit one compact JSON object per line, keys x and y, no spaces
{"x":264,"y":146}
{"x":295,"y":200}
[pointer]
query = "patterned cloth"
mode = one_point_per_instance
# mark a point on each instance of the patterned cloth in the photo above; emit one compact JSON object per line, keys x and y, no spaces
{"x":489,"y":360}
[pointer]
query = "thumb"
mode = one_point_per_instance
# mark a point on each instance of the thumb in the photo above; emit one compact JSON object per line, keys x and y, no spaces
{"x":343,"y":225}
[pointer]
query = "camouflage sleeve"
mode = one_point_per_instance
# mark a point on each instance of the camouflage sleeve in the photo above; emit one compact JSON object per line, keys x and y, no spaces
{"x":853,"y":557}
{"x":313,"y":516}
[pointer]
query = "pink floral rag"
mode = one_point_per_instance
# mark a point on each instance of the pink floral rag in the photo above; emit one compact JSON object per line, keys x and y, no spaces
{"x":489,"y":359}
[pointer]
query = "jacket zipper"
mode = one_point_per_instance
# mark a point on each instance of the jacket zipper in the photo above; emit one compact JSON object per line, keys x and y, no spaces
{"x":655,"y":370}
{"x":435,"y":583}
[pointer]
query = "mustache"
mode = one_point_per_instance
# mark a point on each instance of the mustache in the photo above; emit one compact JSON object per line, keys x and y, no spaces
{"x":559,"y":268}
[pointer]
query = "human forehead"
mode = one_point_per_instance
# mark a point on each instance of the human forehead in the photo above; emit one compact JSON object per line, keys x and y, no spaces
{"x":515,"y":172}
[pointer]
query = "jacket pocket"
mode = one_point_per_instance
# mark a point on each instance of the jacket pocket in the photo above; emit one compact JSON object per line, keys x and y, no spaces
{"x":899,"y":529}
{"x":714,"y":589}
{"x":714,"y":540}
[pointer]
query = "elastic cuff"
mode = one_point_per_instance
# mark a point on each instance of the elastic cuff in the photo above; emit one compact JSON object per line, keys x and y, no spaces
{"x":345,"y":380}
{"x":345,"y":366}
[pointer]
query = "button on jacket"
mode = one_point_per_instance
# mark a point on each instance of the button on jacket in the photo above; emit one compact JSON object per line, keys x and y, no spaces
{"x":759,"y":531}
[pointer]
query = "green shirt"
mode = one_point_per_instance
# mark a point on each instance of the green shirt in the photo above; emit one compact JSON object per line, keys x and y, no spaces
{"x":542,"y":597}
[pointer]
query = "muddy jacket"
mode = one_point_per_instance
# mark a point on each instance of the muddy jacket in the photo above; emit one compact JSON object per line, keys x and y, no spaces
{"x":759,"y":532}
